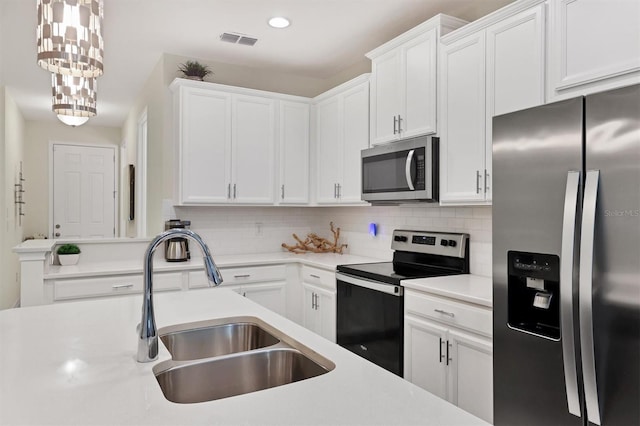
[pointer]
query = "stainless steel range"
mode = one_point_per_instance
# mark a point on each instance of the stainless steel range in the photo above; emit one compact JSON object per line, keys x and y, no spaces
{"x":370,"y":299}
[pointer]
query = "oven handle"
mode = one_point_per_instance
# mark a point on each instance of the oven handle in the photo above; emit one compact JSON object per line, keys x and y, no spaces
{"x":393,"y":290}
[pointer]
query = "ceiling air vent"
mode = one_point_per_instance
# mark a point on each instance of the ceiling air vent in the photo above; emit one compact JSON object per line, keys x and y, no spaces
{"x":238,"y":39}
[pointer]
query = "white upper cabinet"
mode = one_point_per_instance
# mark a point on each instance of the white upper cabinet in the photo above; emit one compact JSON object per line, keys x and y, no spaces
{"x":294,"y":153}
{"x":226,"y":148}
{"x":493,"y":66}
{"x":341,"y":132}
{"x":253,"y":137}
{"x":404,"y":81}
{"x":594,"y":45}
{"x":203,"y":127}
{"x":462,"y":149}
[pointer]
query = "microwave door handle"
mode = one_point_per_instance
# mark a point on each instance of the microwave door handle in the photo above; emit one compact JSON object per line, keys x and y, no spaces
{"x":407,"y":169}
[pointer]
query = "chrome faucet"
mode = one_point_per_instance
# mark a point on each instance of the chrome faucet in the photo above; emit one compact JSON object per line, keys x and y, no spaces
{"x":148,"y":334}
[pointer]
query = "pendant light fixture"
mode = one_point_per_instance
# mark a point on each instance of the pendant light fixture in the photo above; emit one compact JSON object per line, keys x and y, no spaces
{"x":74,"y":98}
{"x":69,"y":36}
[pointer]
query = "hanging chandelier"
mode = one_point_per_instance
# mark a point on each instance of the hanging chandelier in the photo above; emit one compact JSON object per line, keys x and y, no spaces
{"x":69,"y":36}
{"x":74,"y":98}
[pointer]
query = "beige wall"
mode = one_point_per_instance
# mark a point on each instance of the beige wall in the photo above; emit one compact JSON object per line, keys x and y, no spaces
{"x":12,"y":128}
{"x":38,"y":136}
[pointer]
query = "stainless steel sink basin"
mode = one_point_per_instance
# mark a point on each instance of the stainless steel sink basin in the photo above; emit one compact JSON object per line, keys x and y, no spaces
{"x":213,"y":379}
{"x":210,"y":338}
{"x":231,"y":356}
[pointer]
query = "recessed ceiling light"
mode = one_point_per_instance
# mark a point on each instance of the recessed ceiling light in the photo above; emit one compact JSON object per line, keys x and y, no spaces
{"x":279,"y":22}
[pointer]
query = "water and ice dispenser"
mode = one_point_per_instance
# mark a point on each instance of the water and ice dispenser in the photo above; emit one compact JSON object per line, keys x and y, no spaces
{"x":534,"y":293}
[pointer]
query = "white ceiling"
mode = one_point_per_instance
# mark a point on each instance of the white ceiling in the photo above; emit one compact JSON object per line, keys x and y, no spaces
{"x":326,"y":36}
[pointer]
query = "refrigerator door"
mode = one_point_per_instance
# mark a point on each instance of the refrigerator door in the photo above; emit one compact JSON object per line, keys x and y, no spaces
{"x":611,"y":347}
{"x":537,"y":164}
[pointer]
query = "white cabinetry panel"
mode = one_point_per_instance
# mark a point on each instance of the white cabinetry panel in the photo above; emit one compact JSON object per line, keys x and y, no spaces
{"x":594,"y":46}
{"x":294,"y":152}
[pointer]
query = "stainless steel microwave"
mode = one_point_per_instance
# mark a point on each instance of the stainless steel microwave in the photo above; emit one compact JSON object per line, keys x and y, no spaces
{"x":401,"y":172}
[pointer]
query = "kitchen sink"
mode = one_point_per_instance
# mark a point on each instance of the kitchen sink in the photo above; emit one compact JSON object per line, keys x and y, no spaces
{"x":211,"y":338}
{"x":231,"y":356}
{"x":212,"y":379}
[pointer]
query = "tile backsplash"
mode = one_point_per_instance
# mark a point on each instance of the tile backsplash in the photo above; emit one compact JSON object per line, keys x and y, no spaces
{"x":237,"y":230}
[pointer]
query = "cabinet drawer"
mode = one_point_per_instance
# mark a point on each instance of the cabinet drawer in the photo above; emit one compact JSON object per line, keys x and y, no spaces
{"x":113,"y":285}
{"x":462,"y":315}
{"x":319,"y":277}
{"x":237,"y":276}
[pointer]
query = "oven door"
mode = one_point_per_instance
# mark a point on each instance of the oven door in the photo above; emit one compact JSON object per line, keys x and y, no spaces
{"x":370,"y":320}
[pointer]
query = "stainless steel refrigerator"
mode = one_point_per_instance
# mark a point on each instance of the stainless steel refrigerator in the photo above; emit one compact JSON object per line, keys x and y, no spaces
{"x":566,"y":262}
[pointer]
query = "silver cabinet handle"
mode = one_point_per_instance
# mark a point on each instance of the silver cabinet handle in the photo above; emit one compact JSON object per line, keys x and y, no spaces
{"x":394,"y":125}
{"x":440,"y":346}
{"x":586,"y":295}
{"x":282,"y":192}
{"x":449,"y":359}
{"x":313,"y":301}
{"x":478,"y":189}
{"x":121,"y":286}
{"x":566,"y":292}
{"x":335,"y":190}
{"x":407,"y":170}
{"x":229,"y":191}
{"x":399,"y":124}
{"x":486,"y":181}
{"x":314,"y":276}
{"x":242,"y":276}
{"x":317,"y":304}
{"x":234,"y":191}
{"x":449,"y":314}
{"x":339,"y":191}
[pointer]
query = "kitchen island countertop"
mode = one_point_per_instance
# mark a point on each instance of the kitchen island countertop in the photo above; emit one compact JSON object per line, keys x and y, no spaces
{"x":74,"y":363}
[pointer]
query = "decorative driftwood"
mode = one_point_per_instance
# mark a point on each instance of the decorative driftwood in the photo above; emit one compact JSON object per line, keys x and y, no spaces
{"x":315,"y":244}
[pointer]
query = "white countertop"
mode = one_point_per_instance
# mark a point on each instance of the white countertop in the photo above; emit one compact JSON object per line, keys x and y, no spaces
{"x":74,"y":363}
{"x":327,"y":261}
{"x":466,"y":287}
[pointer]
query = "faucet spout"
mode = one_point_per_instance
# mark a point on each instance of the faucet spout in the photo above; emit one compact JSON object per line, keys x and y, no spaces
{"x":148,"y":333}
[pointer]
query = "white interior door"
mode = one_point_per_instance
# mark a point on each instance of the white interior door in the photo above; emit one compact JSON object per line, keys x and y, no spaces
{"x":84,"y":191}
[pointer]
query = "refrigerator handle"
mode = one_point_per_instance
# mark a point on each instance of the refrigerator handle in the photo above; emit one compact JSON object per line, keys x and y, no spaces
{"x":586,"y":296}
{"x":566,"y":292}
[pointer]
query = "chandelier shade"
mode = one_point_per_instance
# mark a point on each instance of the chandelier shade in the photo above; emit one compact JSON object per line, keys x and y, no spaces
{"x":69,"y":37}
{"x":74,"y":98}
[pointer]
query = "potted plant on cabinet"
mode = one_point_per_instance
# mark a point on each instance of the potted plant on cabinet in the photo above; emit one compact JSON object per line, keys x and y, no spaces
{"x":194,"y":70}
{"x":68,"y":254}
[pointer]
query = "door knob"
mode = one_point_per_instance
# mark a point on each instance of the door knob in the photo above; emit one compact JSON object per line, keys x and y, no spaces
{"x":57,"y":234}
{"x":57,"y":226}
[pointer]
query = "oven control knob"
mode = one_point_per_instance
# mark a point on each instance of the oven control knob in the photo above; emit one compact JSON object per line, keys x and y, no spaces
{"x":444,"y":243}
{"x":400,"y":238}
{"x":452,"y":243}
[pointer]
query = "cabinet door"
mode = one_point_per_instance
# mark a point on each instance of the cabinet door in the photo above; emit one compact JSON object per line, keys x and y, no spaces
{"x":326,"y":306}
{"x":356,"y":138}
{"x":319,"y":306}
{"x":205,"y":146}
{"x":329,"y":148}
{"x":419,"y":91}
{"x":294,"y":153}
{"x":311,"y":318}
{"x":425,"y":363}
{"x":253,"y":149}
{"x":594,"y":46}
{"x":271,"y":295}
{"x":515,"y":70}
{"x":386,"y":96}
{"x":471,"y":373}
{"x":462,"y":145}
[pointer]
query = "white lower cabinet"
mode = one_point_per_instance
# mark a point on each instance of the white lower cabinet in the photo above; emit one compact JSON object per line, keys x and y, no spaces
{"x":448,"y":351}
{"x":114,"y":285}
{"x":265,"y":285}
{"x":319,"y":301}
